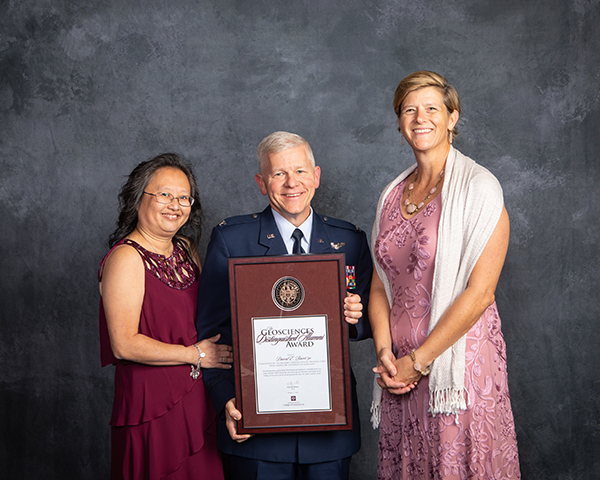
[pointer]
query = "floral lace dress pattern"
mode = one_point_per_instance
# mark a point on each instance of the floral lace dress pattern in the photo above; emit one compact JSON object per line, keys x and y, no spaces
{"x":479,"y":443}
{"x":175,"y":271}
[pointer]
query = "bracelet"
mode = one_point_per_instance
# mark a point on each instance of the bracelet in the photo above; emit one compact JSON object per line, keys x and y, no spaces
{"x":417,"y":365}
{"x":196,"y":368}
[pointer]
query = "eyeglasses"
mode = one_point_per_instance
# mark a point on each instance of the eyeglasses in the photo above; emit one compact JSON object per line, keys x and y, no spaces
{"x":166,"y":198}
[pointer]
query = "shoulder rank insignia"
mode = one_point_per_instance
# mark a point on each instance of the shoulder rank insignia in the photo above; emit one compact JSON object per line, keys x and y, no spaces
{"x":223,"y":223}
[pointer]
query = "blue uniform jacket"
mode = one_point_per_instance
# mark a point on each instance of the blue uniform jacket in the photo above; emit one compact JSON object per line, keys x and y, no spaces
{"x":257,"y":235}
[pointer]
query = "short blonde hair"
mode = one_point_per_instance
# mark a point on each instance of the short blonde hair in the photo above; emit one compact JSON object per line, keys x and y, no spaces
{"x":422,"y":79}
{"x":278,"y":142}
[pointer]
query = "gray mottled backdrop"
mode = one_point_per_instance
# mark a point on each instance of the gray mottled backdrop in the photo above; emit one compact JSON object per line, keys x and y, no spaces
{"x":89,"y":89}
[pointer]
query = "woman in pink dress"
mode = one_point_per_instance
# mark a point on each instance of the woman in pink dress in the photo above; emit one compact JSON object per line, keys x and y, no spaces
{"x":440,"y":239}
{"x":163,"y":425}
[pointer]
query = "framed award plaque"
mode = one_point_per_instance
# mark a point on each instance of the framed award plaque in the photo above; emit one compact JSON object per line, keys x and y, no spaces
{"x":290,"y":343}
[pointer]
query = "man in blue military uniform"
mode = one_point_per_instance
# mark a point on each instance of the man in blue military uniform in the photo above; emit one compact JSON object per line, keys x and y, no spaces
{"x":289,"y":177}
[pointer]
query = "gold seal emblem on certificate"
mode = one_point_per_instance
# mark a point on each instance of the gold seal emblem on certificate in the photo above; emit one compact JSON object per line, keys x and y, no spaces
{"x":288,"y":293}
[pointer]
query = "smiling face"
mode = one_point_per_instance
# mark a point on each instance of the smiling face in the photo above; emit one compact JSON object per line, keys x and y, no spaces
{"x":160,"y":220}
{"x":425,"y":121}
{"x":289,"y":180}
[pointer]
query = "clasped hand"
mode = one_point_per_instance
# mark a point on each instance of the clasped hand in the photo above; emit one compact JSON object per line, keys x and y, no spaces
{"x":397,"y":376}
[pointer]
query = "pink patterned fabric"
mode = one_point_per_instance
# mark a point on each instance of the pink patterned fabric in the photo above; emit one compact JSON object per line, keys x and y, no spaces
{"x":479,"y":443}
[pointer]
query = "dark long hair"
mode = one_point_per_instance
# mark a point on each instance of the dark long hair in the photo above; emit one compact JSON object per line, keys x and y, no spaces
{"x":131,"y":194}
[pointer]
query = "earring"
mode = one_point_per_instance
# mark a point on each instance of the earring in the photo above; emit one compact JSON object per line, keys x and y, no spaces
{"x":402,"y":136}
{"x":451,"y":137}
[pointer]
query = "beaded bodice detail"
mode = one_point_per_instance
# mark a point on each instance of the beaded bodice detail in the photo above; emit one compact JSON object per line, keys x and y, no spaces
{"x":176,"y":271}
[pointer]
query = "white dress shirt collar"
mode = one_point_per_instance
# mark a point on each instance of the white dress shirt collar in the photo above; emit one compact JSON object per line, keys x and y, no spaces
{"x":286,"y":229}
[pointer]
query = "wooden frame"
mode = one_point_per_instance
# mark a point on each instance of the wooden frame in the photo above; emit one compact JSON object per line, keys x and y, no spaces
{"x":290,"y":342}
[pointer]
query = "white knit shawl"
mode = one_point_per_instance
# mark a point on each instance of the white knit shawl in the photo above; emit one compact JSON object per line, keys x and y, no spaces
{"x":472,"y":203}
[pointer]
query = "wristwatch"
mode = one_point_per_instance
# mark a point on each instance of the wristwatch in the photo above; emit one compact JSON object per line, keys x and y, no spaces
{"x":417,"y":365}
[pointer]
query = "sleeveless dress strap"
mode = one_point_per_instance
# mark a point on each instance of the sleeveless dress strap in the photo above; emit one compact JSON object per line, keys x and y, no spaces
{"x":176,"y":271}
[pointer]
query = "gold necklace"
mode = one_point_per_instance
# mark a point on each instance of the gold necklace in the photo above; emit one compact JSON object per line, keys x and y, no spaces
{"x":151,"y":245}
{"x":412,"y":207}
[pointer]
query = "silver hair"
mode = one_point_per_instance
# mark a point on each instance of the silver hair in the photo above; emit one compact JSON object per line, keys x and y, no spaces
{"x":279,"y":142}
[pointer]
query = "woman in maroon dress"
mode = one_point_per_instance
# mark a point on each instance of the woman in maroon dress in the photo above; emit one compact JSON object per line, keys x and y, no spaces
{"x":163,"y":423}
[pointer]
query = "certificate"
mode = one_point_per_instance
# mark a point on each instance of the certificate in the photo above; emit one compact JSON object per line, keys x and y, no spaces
{"x":291,"y":362}
{"x":290,"y":343}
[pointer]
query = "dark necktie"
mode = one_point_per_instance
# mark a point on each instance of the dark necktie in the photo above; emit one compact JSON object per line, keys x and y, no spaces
{"x":297,"y":236}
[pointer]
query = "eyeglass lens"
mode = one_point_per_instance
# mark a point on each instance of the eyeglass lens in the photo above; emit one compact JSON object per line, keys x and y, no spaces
{"x":166,"y":198}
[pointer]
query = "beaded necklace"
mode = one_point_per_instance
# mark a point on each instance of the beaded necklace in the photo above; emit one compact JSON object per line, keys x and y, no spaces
{"x":412,"y":207}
